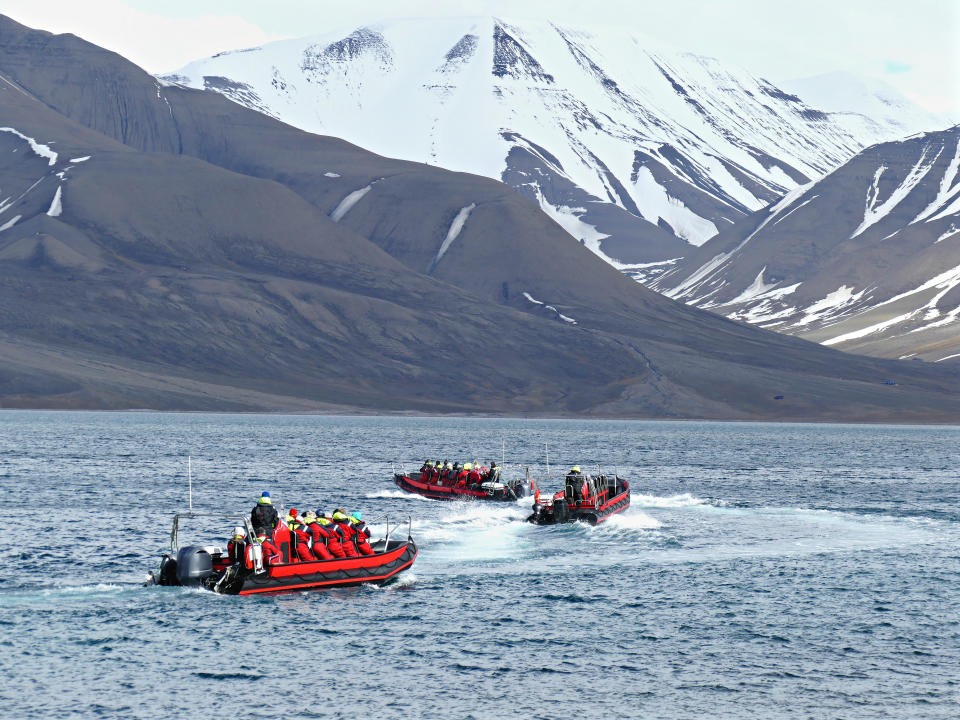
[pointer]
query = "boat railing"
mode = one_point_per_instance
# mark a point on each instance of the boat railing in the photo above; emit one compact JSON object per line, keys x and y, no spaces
{"x":238,"y":519}
{"x":386,"y":537}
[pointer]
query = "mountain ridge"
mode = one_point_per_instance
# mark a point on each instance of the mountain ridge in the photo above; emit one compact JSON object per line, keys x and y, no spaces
{"x":206,"y":256}
{"x":866,"y":259}
{"x":616,"y":141}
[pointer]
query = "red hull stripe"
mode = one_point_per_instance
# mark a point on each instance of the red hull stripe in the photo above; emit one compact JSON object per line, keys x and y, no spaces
{"x":354,"y":563}
{"x":437,"y":492}
{"x":281,"y":588}
{"x":612,"y":508}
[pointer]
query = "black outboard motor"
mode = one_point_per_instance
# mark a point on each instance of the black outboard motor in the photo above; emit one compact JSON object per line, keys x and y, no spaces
{"x":168,"y":572}
{"x":194,"y":564}
{"x":560,"y":511}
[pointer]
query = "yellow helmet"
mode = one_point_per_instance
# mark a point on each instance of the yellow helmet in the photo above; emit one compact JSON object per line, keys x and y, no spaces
{"x":575,"y":469}
{"x":468,"y":466}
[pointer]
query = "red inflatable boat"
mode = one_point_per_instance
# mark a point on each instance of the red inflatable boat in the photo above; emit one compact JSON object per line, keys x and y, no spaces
{"x":510,"y":491}
{"x":209,"y":567}
{"x":584,"y":498}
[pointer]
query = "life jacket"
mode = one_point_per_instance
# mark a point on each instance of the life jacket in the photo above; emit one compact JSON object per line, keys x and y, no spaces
{"x":327,"y":526}
{"x":473,"y":476}
{"x":347,"y":530}
{"x":361,"y":530}
{"x":434,"y":475}
{"x":332,"y":536}
{"x":300,"y":543}
{"x":299,"y":533}
{"x":362,"y":534}
{"x":332,"y":532}
{"x":348,"y":533}
{"x":315,"y":531}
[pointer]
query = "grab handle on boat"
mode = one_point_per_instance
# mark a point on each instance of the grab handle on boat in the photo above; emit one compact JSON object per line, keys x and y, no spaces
{"x":386,"y":539}
{"x":409,"y":528}
{"x":173,"y":534}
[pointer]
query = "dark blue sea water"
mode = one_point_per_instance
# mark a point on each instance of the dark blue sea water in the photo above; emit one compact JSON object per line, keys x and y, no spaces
{"x":768,"y":571}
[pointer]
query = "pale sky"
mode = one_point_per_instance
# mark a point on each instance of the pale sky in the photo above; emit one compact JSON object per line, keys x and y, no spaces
{"x":913,"y":45}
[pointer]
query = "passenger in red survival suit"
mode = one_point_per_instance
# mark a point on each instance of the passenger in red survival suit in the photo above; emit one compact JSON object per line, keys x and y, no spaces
{"x":362,"y":533}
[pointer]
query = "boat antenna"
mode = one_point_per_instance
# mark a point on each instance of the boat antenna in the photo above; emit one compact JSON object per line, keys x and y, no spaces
{"x":190,"y":481}
{"x":503,"y":450}
{"x":546,"y":446}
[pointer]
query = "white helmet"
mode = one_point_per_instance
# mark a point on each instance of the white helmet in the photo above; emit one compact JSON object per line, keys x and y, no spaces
{"x":238,"y":531}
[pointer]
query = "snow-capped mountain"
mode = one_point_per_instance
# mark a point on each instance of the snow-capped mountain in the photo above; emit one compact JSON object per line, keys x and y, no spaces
{"x":165,"y":247}
{"x":639,"y":151}
{"x":867,"y":259}
{"x":866,"y":107}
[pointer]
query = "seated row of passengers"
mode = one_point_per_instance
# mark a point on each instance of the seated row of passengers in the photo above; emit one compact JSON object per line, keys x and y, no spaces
{"x":457,"y":475}
{"x":314,"y":535}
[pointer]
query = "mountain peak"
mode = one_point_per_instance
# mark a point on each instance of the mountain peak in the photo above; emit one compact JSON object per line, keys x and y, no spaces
{"x":640,"y":151}
{"x":857,"y":99}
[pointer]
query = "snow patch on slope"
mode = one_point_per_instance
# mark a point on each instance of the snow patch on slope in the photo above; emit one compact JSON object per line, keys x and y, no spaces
{"x":870,"y":330}
{"x":756,"y":289}
{"x":949,"y":233}
{"x":840,"y":298}
{"x":346,"y":205}
{"x":873,"y":213}
{"x":765,"y":308}
{"x":709,"y":269}
{"x":951,"y":209}
{"x":946,"y":190}
{"x":569,"y":219}
{"x":452,"y":232}
{"x":43,"y":151}
{"x":10,"y":223}
{"x":944,"y":283}
{"x":655,"y":203}
{"x":551,"y":308}
{"x":56,"y":206}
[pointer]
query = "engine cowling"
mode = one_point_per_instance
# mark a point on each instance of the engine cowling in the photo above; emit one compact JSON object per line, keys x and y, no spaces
{"x":194,"y":564}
